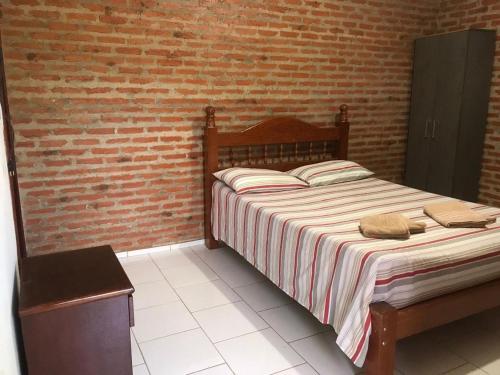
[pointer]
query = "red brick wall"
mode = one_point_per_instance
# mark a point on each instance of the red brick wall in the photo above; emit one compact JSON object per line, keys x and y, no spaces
{"x":107,"y":100}
{"x":464,"y":14}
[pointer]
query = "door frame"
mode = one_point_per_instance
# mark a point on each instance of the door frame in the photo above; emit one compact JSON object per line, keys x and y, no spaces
{"x":11,"y":161}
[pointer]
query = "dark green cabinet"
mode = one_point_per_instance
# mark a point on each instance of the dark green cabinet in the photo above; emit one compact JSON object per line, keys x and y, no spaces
{"x":449,"y":105}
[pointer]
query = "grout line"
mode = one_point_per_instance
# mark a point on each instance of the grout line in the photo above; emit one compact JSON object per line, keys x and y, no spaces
{"x":170,"y":334}
{"x":263,"y":281}
{"x":276,"y":307}
{"x":208,"y":338}
{"x":222,"y":364}
{"x":159,"y":249}
{"x":181,"y":245}
{"x":466,"y":361}
{"x":152,"y":306}
{"x":293,"y":349}
{"x":221,"y":276}
{"x":214,"y":344}
{"x":224,"y":304}
{"x":269,"y":327}
{"x":243,"y":334}
{"x":307,"y":337}
{"x":140,"y":351}
{"x":210,"y":307}
{"x":213,"y":307}
{"x":463,"y":365}
{"x":199,"y":327}
{"x":164,"y":278}
{"x":268,"y":308}
{"x":234,"y":290}
{"x":290,"y":368}
{"x":259,"y":314}
{"x":192,"y":315}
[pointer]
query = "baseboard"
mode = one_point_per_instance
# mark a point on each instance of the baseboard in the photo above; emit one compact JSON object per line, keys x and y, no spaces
{"x":159,"y":249}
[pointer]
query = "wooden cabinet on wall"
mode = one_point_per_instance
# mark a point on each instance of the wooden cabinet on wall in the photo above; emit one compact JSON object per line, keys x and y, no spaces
{"x":449,"y":105}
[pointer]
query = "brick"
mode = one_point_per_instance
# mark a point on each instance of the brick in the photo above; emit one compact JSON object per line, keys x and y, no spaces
{"x":102,"y":97}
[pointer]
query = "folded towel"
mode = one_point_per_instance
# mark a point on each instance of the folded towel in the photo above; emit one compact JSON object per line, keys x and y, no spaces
{"x":389,"y":226}
{"x":456,"y":214}
{"x":415,"y":226}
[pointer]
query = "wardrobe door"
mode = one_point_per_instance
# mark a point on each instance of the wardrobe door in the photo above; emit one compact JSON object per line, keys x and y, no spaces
{"x":445,"y":124}
{"x":477,"y":81}
{"x":422,"y":105}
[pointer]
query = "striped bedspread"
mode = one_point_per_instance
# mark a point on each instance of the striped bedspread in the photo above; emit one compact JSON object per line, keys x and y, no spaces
{"x":307,"y":242}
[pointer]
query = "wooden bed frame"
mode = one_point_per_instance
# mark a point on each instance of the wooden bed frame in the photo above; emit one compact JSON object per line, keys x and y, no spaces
{"x":388,"y":323}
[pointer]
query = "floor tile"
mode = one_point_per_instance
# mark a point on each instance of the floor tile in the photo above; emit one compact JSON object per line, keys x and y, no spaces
{"x":199,"y":247}
{"x":228,"y":321}
{"x":204,"y":253}
{"x":481,"y":348}
{"x":181,"y":353}
{"x":323,"y":354}
{"x":140,"y":370}
{"x":136,"y":353}
{"x":206,"y":295}
{"x":189,"y":275}
{"x":219,"y":257}
{"x":304,"y":369}
{"x":175,"y":258}
{"x":236,"y":277}
{"x":454,"y":330}
{"x":134,"y":259}
{"x":466,"y":369}
{"x":419,"y":355}
{"x":153,"y":294}
{"x":217,"y":370}
{"x":292,"y":322}
{"x":262,"y":296}
{"x":490,"y":320}
{"x":159,"y":321}
{"x":173,"y":343}
{"x":142,"y":271}
{"x":233,"y":269}
{"x":258,"y":353}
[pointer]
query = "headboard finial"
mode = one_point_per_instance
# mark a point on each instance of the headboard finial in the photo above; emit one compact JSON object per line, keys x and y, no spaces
{"x":210,"y":116}
{"x":344,"y":119}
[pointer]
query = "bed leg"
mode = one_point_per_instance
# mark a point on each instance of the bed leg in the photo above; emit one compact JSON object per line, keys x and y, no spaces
{"x":382,"y":345}
{"x":211,"y":243}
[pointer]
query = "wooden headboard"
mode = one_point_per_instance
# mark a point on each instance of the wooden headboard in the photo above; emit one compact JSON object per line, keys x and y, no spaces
{"x":279,"y":143}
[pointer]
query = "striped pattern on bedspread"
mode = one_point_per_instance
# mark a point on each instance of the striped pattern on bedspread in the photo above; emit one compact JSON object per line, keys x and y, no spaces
{"x":307,"y":242}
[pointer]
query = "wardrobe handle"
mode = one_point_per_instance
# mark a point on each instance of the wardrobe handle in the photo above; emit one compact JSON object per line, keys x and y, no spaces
{"x":434,"y":124}
{"x":426,"y":128}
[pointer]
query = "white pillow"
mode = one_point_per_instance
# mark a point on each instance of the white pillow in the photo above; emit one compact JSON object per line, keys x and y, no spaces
{"x":253,"y":180}
{"x":330,"y":172}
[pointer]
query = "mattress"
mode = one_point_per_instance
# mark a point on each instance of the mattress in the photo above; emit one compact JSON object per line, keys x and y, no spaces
{"x":307,"y":242}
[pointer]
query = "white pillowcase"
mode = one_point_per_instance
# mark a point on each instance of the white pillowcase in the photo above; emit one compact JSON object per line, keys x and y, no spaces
{"x":330,"y":172}
{"x":253,"y":180}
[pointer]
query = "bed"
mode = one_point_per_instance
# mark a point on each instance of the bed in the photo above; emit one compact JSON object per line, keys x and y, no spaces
{"x":307,"y":242}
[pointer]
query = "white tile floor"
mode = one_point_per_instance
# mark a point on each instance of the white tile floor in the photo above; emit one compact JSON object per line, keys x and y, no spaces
{"x":207,"y":312}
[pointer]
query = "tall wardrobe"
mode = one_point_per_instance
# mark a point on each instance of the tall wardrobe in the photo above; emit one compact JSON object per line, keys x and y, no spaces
{"x":449,"y":105}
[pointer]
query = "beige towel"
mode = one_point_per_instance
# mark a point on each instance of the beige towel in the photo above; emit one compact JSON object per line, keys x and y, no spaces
{"x":454,"y":214}
{"x":415,"y":226}
{"x":389,"y":226}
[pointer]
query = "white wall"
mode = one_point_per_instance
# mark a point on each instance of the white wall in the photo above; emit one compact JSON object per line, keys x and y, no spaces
{"x":9,"y":362}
